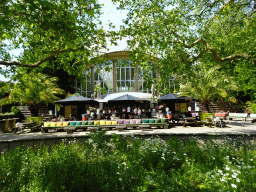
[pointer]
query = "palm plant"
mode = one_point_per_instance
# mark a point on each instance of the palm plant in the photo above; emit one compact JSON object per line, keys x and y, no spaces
{"x":32,"y":89}
{"x":208,"y":85}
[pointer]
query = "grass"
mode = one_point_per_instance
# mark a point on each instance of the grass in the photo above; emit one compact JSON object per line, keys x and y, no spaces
{"x":127,"y":163}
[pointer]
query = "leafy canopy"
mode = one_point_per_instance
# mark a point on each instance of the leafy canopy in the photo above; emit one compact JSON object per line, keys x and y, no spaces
{"x":31,"y":89}
{"x":185,"y":32}
{"x":69,"y":29}
{"x":209,"y":85}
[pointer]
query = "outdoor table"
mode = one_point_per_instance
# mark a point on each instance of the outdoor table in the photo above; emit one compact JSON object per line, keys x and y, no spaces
{"x":190,"y":120}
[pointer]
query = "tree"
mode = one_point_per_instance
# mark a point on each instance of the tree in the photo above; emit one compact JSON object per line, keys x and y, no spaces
{"x":182,"y":33}
{"x":67,"y":73}
{"x":32,"y":89}
{"x":209,"y":85}
{"x":67,"y":29}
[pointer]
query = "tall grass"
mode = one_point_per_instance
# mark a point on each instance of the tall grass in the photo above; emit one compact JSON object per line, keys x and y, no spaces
{"x":127,"y":163}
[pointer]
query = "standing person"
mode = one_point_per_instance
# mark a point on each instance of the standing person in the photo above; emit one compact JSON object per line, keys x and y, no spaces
{"x":139,"y":112}
{"x":128,"y":109}
{"x":135,"y":111}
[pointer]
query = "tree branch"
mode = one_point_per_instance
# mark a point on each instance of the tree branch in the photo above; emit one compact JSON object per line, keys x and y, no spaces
{"x":10,"y":63}
{"x":209,"y":48}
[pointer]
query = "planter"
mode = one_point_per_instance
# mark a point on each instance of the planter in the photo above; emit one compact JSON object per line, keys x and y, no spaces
{"x":203,"y":116}
{"x":7,"y":125}
{"x":38,"y":120}
{"x":2,"y":126}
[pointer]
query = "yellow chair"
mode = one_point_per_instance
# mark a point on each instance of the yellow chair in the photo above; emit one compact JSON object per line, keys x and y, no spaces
{"x":102,"y":122}
{"x":96,"y":122}
{"x":108,"y":122}
{"x":114,"y":122}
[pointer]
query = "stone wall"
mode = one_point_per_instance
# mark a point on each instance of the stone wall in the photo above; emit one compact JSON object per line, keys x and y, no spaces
{"x":50,"y":141}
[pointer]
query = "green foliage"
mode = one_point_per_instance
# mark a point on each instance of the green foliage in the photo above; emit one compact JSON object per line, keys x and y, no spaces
{"x":251,"y":106}
{"x":208,"y":85}
{"x":203,"y":116}
{"x":127,"y":163}
{"x":32,"y":89}
{"x":68,"y":30}
{"x":38,"y":120}
{"x":184,"y":33}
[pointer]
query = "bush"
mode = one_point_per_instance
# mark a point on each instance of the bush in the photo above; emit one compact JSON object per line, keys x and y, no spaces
{"x":127,"y":163}
{"x":38,"y":120}
{"x":203,"y":116}
{"x":252,"y":106}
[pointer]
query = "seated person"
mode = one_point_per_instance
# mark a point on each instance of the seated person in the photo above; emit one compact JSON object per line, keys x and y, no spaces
{"x":131,"y":116}
{"x":188,"y":114}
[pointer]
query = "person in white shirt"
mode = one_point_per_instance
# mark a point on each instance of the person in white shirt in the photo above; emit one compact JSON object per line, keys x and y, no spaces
{"x":139,"y":112}
{"x":135,"y":111}
{"x":128,"y":109}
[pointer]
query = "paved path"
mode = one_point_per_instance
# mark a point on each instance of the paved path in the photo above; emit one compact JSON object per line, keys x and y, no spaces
{"x":233,"y":127}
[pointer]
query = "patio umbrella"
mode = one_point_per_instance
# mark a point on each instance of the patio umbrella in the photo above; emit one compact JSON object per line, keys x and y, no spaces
{"x":172,"y":96}
{"x":127,"y":97}
{"x":169,"y":96}
{"x":75,"y":99}
{"x":140,"y":95}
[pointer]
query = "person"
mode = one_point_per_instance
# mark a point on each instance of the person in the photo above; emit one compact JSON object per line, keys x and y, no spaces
{"x":61,"y":118}
{"x":188,"y":114}
{"x":139,"y":112}
{"x":135,"y":111}
{"x":128,"y":109}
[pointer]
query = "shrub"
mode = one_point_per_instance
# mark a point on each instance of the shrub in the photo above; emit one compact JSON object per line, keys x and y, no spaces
{"x":127,"y":163}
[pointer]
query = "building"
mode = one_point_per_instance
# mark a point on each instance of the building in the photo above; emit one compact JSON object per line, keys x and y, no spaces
{"x":114,"y":72}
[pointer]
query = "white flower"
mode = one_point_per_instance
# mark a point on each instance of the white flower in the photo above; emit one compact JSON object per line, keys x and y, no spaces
{"x":237,"y":180}
{"x":124,"y":163}
{"x":223,"y":179}
{"x":234,"y":175}
{"x":220,"y":171}
{"x":227,"y":168}
{"x":233,"y":185}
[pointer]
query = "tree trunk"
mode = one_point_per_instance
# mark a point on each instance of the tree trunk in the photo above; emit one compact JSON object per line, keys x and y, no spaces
{"x":205,"y":107}
{"x":34,"y":110}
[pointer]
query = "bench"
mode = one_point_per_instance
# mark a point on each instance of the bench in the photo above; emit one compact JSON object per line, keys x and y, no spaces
{"x":144,"y":127}
{"x":102,"y":124}
{"x":224,"y":115}
{"x":190,"y":121}
{"x":70,"y":129}
{"x":242,"y":116}
{"x":120,"y":127}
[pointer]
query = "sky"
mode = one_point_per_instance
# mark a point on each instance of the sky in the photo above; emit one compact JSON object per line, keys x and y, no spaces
{"x":109,"y":14}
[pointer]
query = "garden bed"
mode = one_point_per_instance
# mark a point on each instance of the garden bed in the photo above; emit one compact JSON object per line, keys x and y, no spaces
{"x":127,"y":163}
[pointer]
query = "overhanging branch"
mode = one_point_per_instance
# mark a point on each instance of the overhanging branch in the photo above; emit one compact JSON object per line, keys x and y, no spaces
{"x":55,"y":53}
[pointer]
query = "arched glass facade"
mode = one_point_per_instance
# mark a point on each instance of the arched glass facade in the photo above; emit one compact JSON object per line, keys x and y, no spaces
{"x":115,"y":75}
